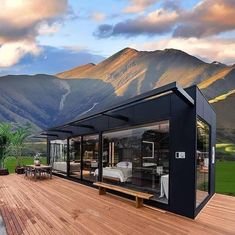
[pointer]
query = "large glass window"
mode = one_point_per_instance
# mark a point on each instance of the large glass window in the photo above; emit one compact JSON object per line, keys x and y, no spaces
{"x":138,"y":158}
{"x":75,"y":157}
{"x":90,"y":157}
{"x":203,"y":151}
{"x":58,"y":156}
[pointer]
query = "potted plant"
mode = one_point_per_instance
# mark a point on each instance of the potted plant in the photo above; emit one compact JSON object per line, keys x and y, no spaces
{"x":37,"y":160}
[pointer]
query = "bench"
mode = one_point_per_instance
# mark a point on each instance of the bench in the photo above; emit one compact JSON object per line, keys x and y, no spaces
{"x":139,"y":196}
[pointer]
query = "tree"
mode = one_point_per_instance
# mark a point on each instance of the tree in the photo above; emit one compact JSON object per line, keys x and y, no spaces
{"x":18,"y":142}
{"x":5,"y":141}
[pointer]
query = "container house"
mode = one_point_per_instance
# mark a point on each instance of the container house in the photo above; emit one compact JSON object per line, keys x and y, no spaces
{"x":161,"y":142}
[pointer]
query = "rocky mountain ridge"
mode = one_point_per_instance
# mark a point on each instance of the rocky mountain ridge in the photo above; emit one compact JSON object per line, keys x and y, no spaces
{"x":45,"y":100}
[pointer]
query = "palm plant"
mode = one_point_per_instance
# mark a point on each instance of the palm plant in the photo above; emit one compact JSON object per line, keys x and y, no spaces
{"x":5,"y":140}
{"x":18,"y":142}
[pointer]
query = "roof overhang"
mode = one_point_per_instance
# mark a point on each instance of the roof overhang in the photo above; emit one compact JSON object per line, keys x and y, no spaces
{"x":155,"y":93}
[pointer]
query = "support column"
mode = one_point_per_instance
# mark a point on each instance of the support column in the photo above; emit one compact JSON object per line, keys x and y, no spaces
{"x":81,"y":164}
{"x":100,"y":158}
{"x":48,"y":151}
{"x":68,"y":158}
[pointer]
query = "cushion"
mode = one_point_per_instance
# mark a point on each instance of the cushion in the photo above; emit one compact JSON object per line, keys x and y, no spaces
{"x":124,"y":164}
{"x":129,"y":165}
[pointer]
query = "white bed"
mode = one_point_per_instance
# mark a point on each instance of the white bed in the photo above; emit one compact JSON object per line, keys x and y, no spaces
{"x":122,"y":172}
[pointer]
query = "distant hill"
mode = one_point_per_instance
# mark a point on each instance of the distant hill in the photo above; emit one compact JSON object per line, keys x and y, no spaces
{"x":224,"y":107}
{"x":50,"y":100}
{"x":131,"y":70}
{"x":73,"y":73}
{"x":219,"y":83}
{"x":45,"y":100}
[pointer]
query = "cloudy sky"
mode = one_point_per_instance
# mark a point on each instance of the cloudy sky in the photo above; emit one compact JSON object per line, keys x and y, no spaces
{"x":38,"y":36}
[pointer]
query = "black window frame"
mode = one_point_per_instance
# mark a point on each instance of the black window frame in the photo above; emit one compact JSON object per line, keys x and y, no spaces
{"x":139,"y":126}
{"x":198,"y":117}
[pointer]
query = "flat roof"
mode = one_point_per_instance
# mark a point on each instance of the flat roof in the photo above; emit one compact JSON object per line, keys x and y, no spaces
{"x":172,"y":87}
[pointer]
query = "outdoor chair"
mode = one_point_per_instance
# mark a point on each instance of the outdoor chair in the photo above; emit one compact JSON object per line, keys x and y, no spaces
{"x":45,"y":172}
{"x":29,"y":172}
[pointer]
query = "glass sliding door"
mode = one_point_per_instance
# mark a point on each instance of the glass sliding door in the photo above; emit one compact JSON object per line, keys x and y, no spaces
{"x":75,"y":157}
{"x":58,"y":156}
{"x":90,"y":157}
{"x":203,"y":160}
{"x":138,"y":158}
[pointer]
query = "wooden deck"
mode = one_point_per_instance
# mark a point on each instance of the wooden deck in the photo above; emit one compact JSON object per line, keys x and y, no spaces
{"x":59,"y":206}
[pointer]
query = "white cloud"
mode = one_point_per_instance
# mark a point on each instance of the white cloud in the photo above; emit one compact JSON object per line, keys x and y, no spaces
{"x":161,"y":16}
{"x":157,"y":22}
{"x":138,"y":6}
{"x":75,"y":48}
{"x":22,"y":21}
{"x":209,"y":17}
{"x":222,"y":50}
{"x":205,"y":19}
{"x":11,"y":53}
{"x":48,"y":29}
{"x":98,"y":16}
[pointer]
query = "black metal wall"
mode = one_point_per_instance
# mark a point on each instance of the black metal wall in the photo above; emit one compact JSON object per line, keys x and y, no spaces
{"x":206,"y":112}
{"x":183,"y":139}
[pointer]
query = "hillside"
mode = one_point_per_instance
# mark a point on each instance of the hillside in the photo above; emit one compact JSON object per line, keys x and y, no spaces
{"x":132,"y":72}
{"x":224,"y":107}
{"x":220,"y":83}
{"x":32,"y":99}
{"x":45,"y":100}
{"x":72,"y":73}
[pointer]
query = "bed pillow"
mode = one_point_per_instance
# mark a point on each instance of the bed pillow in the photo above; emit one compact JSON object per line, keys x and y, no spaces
{"x":124,"y":164}
{"x":129,"y":165}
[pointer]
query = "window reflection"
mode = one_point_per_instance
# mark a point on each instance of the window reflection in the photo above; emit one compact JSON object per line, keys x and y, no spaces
{"x":138,"y":158}
{"x":203,"y":149}
{"x":58,"y":156}
{"x":90,"y":157}
{"x":75,"y":157}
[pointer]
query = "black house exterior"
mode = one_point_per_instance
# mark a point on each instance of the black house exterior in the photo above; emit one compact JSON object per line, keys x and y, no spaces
{"x":161,"y":142}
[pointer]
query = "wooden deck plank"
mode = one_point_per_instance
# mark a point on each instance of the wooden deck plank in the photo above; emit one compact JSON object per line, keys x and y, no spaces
{"x":59,"y":206}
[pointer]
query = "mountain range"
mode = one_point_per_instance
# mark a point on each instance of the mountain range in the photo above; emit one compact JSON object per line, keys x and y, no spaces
{"x":46,"y":100}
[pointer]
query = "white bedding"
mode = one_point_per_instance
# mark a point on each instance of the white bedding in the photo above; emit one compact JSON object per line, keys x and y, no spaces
{"x":123,"y":174}
{"x":62,"y":166}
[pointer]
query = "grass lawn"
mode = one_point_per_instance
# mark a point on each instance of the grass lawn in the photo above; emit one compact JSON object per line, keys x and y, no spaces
{"x":225,"y":177}
{"x":10,"y":162}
